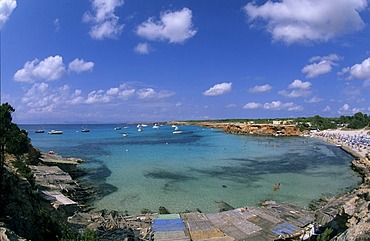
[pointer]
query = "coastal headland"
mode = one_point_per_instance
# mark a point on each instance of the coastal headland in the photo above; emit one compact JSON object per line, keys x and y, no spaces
{"x":249,"y":128}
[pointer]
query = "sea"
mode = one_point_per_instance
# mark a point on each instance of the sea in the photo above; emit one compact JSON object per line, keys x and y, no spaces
{"x":199,"y":168}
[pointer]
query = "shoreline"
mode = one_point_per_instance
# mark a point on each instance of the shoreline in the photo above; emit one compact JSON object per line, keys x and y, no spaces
{"x":107,"y":219}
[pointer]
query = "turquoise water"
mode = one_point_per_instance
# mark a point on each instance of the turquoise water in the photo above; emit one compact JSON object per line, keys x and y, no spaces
{"x":195,"y":169}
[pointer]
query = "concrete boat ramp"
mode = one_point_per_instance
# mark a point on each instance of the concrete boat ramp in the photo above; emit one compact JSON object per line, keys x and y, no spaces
{"x":272,"y":221}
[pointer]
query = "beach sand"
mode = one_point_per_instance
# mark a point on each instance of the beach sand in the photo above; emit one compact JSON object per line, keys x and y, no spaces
{"x":356,"y":142}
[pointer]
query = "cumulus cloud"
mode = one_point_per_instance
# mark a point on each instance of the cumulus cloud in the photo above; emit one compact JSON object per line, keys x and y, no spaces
{"x":41,"y":98}
{"x":104,"y":22}
{"x":298,"y":89}
{"x":50,"y":69}
{"x":346,"y":109}
{"x":359,"y":71}
{"x":252,"y":105}
{"x":308,"y":21}
{"x":142,"y":48}
{"x":218,"y":89}
{"x":79,"y":65}
{"x":174,"y":27}
{"x":299,"y":84}
{"x":320,"y":65}
{"x":260,"y":88}
{"x":278,"y":105}
{"x":97,"y":96}
{"x":6,"y":9}
{"x":151,"y":94}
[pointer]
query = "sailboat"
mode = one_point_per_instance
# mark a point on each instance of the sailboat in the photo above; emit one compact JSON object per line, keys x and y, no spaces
{"x":84,"y":129}
{"x":41,"y":130}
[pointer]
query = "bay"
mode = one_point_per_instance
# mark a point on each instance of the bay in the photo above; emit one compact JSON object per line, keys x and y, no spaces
{"x":199,"y":167}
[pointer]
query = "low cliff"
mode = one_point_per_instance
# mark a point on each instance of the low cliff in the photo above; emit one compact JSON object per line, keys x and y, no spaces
{"x":254,"y":129}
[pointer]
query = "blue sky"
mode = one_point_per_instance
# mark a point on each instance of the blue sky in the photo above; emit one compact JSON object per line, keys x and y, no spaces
{"x":111,"y":61}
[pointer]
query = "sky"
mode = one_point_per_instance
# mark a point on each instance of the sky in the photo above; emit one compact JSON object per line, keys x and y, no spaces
{"x":113,"y":61}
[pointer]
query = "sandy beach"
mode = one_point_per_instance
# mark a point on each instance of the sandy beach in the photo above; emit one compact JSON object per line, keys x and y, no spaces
{"x":357,"y":142}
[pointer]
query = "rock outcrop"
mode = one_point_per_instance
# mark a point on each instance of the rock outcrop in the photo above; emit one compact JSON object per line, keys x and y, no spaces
{"x":349,"y":212}
{"x":253,"y":129}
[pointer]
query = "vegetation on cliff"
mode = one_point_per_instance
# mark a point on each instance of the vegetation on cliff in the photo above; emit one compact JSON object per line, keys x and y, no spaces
{"x":357,"y":121}
{"x":21,"y":209}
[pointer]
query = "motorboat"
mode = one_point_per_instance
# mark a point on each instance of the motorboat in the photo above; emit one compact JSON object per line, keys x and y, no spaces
{"x":55,"y":132}
{"x":39,"y":131}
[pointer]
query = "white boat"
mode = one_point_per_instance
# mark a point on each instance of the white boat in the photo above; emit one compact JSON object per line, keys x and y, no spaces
{"x":53,"y":132}
{"x":155,"y":126}
{"x":173,"y":126}
{"x":117,"y":128}
{"x":144,"y":125}
{"x":139,"y":129}
{"x":85,"y":129}
{"x":177,"y":132}
{"x":125,"y":134}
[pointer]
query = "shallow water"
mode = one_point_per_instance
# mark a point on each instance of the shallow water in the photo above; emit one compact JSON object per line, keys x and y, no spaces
{"x":195,"y":169}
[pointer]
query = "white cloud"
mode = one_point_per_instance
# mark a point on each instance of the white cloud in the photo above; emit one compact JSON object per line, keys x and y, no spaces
{"x":313,"y":100}
{"x":6,"y":9}
{"x":218,"y":89}
{"x":298,"y":84}
{"x":104,"y":21}
{"x":260,"y":88}
{"x":360,"y":71}
{"x":300,"y":89}
{"x":142,"y":48}
{"x":327,"y":109}
{"x":79,"y":65}
{"x":126,"y":94}
{"x":306,"y":21}
{"x":316,"y":69}
{"x":97,"y":97}
{"x":51,"y":68}
{"x":278,"y":105}
{"x":151,"y":94}
{"x":175,"y":27}
{"x":76,"y":98}
{"x":344,"y":109}
{"x":231,"y":106}
{"x":252,"y":105}
{"x":113,"y":91}
{"x":320,"y":65}
{"x":56,"y":25}
{"x":40,"y":98}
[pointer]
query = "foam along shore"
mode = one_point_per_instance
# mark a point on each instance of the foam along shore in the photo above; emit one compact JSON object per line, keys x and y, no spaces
{"x":355,"y":142}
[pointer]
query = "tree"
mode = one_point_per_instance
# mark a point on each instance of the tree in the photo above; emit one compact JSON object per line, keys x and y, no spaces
{"x":12,"y":139}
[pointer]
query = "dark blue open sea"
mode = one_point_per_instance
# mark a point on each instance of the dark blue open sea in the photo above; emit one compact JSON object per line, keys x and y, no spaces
{"x":199,"y":167}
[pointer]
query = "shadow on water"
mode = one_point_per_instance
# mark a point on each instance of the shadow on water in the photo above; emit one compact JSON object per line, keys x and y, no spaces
{"x":247,"y":170}
{"x":172,"y":178}
{"x":97,"y":176}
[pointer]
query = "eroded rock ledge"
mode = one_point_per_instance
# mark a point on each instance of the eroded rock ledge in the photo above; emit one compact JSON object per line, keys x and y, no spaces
{"x":250,"y":129}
